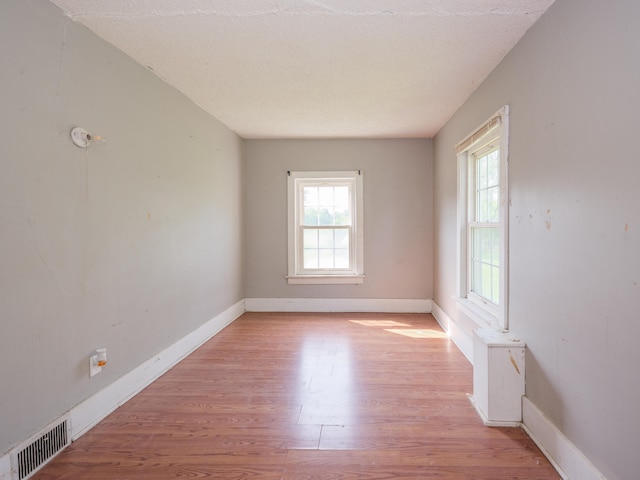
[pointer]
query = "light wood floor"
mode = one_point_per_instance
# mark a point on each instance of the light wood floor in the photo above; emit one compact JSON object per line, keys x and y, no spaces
{"x":308,"y":396}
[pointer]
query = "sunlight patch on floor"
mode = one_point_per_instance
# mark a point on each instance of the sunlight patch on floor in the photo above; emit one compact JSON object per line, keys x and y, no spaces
{"x":380,"y":323}
{"x":418,"y":332}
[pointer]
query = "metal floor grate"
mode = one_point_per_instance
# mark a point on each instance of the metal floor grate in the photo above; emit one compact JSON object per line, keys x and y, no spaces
{"x":41,"y":449}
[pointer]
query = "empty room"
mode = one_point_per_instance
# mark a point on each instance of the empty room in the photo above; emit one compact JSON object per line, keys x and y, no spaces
{"x":299,"y":239}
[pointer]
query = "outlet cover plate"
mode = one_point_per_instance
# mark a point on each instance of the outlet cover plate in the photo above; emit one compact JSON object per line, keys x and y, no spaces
{"x":93,"y":366}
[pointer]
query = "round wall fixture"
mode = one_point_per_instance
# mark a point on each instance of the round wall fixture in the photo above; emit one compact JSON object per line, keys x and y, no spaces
{"x":80,"y":137}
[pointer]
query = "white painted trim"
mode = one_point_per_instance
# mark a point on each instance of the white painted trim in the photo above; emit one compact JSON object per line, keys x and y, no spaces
{"x":565,"y":457}
{"x":478,"y":314}
{"x":462,"y":339}
{"x":91,"y":411}
{"x":338,"y":305}
{"x":326,"y":280}
{"x":492,"y":423}
{"x":5,"y":466}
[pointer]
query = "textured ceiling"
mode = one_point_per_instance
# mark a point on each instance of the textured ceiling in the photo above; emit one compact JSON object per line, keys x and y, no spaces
{"x":317,"y":68}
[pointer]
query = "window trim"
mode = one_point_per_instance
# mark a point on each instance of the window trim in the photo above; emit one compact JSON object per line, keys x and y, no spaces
{"x":296,"y":274}
{"x":476,"y":307}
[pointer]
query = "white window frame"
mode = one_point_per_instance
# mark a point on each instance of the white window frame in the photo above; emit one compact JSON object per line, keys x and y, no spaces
{"x":495,"y":129}
{"x":354,"y":275}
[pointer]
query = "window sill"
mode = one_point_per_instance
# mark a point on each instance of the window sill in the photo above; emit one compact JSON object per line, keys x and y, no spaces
{"x":325,"y":280}
{"x":479,"y":315}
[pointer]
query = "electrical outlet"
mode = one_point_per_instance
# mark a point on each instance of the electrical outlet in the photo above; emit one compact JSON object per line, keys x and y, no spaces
{"x":93,"y":366}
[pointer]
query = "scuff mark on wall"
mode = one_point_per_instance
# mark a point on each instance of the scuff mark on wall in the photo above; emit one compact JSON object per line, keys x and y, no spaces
{"x":547,"y":222}
{"x":514,"y":363}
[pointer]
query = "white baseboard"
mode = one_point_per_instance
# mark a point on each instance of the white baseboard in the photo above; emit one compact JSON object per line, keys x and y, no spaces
{"x":91,"y":411}
{"x":338,"y":305}
{"x":570,"y":462}
{"x":491,"y":423}
{"x":462,"y":339}
{"x":5,"y":467}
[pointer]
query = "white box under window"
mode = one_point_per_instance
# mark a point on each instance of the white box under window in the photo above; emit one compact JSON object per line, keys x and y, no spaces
{"x":498,"y":377}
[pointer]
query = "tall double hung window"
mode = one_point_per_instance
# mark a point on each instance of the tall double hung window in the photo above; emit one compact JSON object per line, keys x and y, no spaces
{"x":325,"y":227}
{"x":484,"y":224}
{"x":482,"y":217}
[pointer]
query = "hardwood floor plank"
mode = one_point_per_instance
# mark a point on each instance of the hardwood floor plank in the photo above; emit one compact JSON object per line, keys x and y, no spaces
{"x":443,"y":452}
{"x":308,"y":396}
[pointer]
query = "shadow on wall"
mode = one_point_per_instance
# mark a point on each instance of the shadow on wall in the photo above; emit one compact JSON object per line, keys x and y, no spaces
{"x":542,"y":384}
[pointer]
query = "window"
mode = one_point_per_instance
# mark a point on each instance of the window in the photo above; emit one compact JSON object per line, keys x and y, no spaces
{"x":325,"y":228}
{"x":482,"y":218}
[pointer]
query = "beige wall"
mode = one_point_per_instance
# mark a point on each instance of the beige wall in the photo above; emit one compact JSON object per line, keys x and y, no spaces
{"x":572,"y":85}
{"x":397,"y":215}
{"x":130,"y":245}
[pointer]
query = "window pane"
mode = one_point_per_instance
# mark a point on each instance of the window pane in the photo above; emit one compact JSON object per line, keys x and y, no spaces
{"x":325,"y":239}
{"x":310,"y":259}
{"x":485,"y":259}
{"x":325,"y":258}
{"x":310,"y":238}
{"x":476,"y":254}
{"x":341,"y":197}
{"x":486,"y":281}
{"x":476,"y":238}
{"x":495,"y":247}
{"x":482,"y":202}
{"x":310,"y":196}
{"x":495,"y":287}
{"x":310,"y":216}
{"x":493,"y":212}
{"x":342,"y":238}
{"x":476,"y":285}
{"x":342,"y":258}
{"x":493,"y":168}
{"x":310,"y":205}
{"x":481,"y":166}
{"x":325,"y":205}
{"x":486,"y":249}
{"x":325,"y":216}
{"x":326,"y":248}
{"x":342,"y":216}
{"x":343,"y":205}
{"x":325,"y":196}
{"x":487,"y":187}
